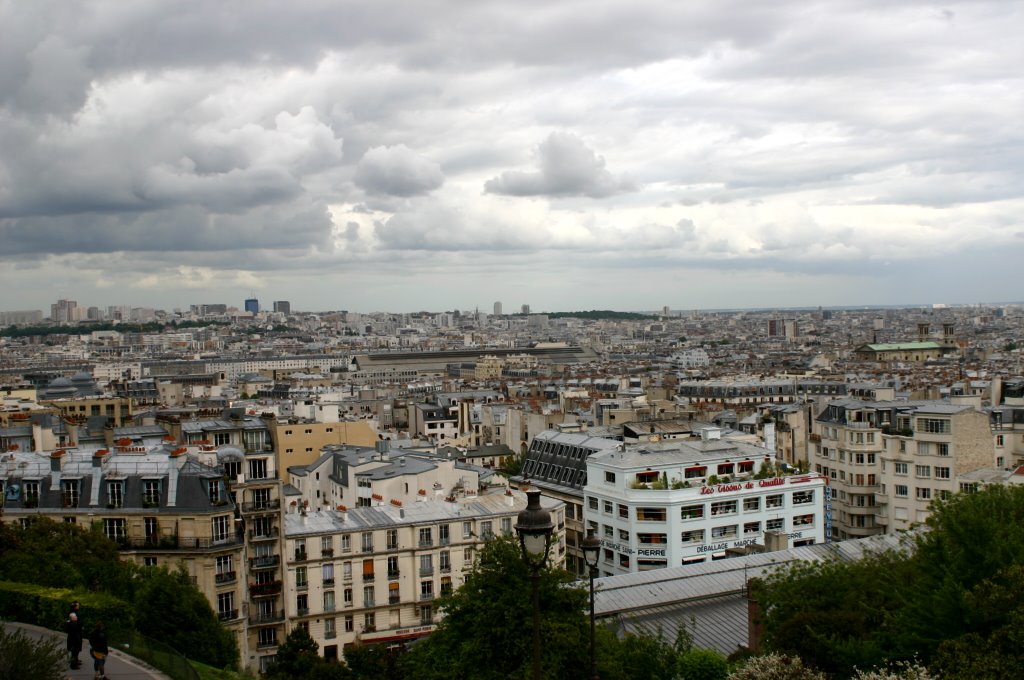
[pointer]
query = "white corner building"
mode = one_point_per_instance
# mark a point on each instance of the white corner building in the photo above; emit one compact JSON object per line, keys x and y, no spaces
{"x":667,"y":504}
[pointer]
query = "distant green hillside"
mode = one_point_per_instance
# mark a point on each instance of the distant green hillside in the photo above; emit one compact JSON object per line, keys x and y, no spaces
{"x":602,"y":314}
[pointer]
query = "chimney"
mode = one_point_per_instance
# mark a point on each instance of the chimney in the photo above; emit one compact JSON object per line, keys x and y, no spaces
{"x":755,"y":624}
{"x":775,"y":541}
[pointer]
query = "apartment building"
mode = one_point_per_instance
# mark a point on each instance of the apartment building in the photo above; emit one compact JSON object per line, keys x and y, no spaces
{"x":858,"y":442}
{"x":666,"y":504}
{"x":369,"y":572}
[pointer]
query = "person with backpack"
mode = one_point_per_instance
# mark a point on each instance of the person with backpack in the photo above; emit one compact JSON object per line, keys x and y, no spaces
{"x":99,"y":650}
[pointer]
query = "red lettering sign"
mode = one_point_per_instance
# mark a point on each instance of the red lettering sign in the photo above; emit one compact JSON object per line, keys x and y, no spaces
{"x":705,"y":490}
{"x":778,"y":481}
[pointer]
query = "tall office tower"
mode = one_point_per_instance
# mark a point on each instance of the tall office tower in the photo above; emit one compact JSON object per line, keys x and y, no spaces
{"x":93,"y":314}
{"x":666,"y":312}
{"x":497,"y":309}
{"x":526,"y":309}
{"x":283,"y":306}
{"x":252,"y":305}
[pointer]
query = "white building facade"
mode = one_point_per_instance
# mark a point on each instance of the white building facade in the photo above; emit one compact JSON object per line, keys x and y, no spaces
{"x":657,"y":506}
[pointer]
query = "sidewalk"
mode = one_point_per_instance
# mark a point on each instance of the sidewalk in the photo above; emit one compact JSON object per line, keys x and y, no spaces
{"x":120,"y":666}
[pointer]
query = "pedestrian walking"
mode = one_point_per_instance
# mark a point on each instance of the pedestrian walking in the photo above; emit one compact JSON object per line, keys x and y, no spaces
{"x":73,"y":627}
{"x":99,"y":650}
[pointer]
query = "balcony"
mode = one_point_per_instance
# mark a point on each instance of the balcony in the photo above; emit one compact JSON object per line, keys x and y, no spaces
{"x":327,"y":552}
{"x":444,"y":540}
{"x":302,"y":586}
{"x":228,"y":615}
{"x":262,"y":506}
{"x":330,"y":634}
{"x":300,"y":556}
{"x":446,"y":569}
{"x":328,"y":582}
{"x":264,"y":534}
{"x":155,"y":543}
{"x":393,"y":575}
{"x":264,"y":561}
{"x":329,"y":607}
{"x":272,"y":616}
{"x":392,"y":546}
{"x":394,"y":599}
{"x":426,"y":571}
{"x":224,"y":577}
{"x":368,"y":578}
{"x":265,"y":589}
{"x":426,"y":597}
{"x":302,"y":611}
{"x":426,"y":543}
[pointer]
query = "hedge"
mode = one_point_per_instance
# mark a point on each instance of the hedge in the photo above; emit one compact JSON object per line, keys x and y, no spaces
{"x":48,"y":607}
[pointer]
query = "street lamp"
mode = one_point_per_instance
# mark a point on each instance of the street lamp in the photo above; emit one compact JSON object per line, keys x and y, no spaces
{"x":591,"y":550}
{"x":534,"y":528}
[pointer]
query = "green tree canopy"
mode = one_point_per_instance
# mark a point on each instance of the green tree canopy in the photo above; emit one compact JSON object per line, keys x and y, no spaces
{"x":170,"y":609}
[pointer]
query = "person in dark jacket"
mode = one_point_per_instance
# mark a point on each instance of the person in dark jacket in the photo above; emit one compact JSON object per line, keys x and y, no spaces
{"x":73,"y":627}
{"x":99,"y":649}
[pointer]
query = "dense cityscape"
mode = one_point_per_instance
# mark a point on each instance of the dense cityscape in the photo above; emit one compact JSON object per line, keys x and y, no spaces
{"x":337,"y":471}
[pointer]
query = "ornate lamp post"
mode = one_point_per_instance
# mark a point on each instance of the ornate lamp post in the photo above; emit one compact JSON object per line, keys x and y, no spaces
{"x":591,"y":550}
{"x":534,"y":527}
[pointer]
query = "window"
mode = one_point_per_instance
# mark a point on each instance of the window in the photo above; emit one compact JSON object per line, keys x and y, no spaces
{"x":942,"y":449}
{"x":213,"y":490}
{"x":803,"y":497}
{"x":933,"y":425}
{"x":368,"y":542}
{"x":467,"y":527}
{"x":301,"y":577}
{"x":695,"y":472}
{"x":746,"y":466}
{"x":346,"y":543}
{"x":367,"y":596}
{"x":901,"y":468}
{"x":266,"y":637}
{"x":444,"y":534}
{"x":69,"y":493}
{"x":692,"y":511}
{"x":902,"y":491}
{"x":724,"y":508}
{"x":652,"y":539}
{"x":115,"y":494}
{"x":724,"y":531}
{"x":347,"y":597}
{"x":751,"y":528}
{"x":349,"y":623}
{"x":226,"y":606}
{"x":923,"y":470}
{"x":608,"y":507}
{"x":923,"y":493}
{"x":725,"y":469}
{"x":426,"y":614}
{"x":695,"y":536}
{"x":326,"y":546}
{"x":327,"y":572}
{"x":149,"y":561}
{"x":608,"y":531}
{"x":773,"y":502}
{"x":444,"y":561}
{"x":150,"y":493}
{"x":803,"y":520}
{"x":774,"y":524}
{"x":941,"y":473}
{"x":650,"y":514}
{"x":330,"y":631}
{"x":623,"y":535}
{"x":426,"y":537}
{"x":1000,"y":440}
{"x":302,"y":604}
{"x":113,"y":528}
{"x":446,"y":585}
{"x":426,"y":590}
{"x":221,"y":528}
{"x":258,"y":468}
{"x":426,"y":565}
{"x":609,"y":477}
{"x":751,"y":504}
{"x":591,"y":502}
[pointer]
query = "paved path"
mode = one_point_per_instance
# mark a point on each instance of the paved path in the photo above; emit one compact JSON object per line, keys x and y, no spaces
{"x":120,"y":666}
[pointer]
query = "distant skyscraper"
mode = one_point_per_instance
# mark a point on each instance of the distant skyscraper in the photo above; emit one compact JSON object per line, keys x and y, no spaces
{"x":497,"y":309}
{"x":283,"y":306}
{"x":64,"y":310}
{"x":526,"y":309}
{"x":665,"y":311}
{"x":252,"y":305}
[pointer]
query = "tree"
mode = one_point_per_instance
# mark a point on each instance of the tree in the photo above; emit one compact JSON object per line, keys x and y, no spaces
{"x":24,"y":657}
{"x":170,"y":609}
{"x":775,"y":667}
{"x":487,"y":628}
{"x":702,"y":664}
{"x":298,"y":658}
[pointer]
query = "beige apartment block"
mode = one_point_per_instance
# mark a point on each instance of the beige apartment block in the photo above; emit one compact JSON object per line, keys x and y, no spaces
{"x":888,"y":460}
{"x":299,"y":442}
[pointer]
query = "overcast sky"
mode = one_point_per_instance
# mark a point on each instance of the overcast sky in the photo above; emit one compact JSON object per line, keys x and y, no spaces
{"x":405,"y":155}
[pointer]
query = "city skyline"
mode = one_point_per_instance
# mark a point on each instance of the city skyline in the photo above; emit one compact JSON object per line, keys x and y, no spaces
{"x":610,"y":155}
